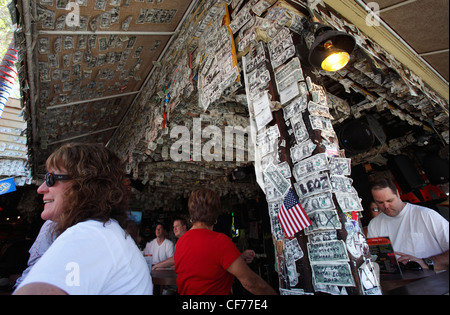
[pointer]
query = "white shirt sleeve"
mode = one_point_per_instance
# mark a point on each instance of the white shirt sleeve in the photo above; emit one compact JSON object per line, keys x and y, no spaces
{"x":171,"y":250}
{"x":68,"y":263}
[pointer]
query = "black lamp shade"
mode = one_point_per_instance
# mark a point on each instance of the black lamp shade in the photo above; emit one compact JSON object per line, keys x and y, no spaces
{"x":340,"y":41}
{"x":356,"y":137}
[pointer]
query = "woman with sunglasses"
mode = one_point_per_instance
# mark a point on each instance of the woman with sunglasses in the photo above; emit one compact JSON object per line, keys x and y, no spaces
{"x":86,"y":195}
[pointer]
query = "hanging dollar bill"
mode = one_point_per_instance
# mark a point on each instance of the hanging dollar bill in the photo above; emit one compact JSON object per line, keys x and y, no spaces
{"x":277,"y":179}
{"x":340,"y":166}
{"x":333,"y":274}
{"x":341,"y":184}
{"x":296,"y":106}
{"x":327,"y":251}
{"x":258,"y":81}
{"x":284,"y":169}
{"x":322,"y":201}
{"x":322,"y":236}
{"x":314,"y":184}
{"x":323,"y":220}
{"x":277,"y":230}
{"x":302,"y":151}
{"x":319,"y":110}
{"x":299,"y":128}
{"x":321,"y":123}
{"x":349,"y":202}
{"x":293,"y":250}
{"x":272,"y":193}
{"x":314,"y":164}
{"x":255,"y":57}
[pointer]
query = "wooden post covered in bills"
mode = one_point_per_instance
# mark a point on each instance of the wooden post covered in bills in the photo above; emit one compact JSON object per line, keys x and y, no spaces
{"x":298,"y":161}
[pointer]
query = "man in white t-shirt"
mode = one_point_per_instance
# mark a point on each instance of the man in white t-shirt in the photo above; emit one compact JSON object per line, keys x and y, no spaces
{"x":417,"y":233}
{"x":160,"y":248}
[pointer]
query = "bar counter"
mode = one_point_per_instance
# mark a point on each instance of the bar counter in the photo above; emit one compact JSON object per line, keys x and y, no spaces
{"x":162,"y":278}
{"x":424,"y":282}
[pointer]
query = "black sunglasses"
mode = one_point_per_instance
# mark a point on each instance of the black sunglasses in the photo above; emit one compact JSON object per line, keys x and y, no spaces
{"x":51,"y":178}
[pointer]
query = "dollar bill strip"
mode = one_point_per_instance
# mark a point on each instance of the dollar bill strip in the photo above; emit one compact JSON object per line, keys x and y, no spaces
{"x":288,"y":74}
{"x":277,"y":231}
{"x":293,"y":250}
{"x":255,"y":57}
{"x":281,"y":48}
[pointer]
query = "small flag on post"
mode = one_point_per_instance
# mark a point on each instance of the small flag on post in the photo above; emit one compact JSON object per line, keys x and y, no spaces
{"x":292,"y":216}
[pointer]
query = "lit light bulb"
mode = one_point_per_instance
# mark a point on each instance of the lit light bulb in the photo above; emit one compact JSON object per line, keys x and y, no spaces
{"x":336,"y":61}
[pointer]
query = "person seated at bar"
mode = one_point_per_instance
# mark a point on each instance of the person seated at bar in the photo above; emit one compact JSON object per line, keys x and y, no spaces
{"x":206,"y":262}
{"x":179,"y":228}
{"x":161,"y":247}
{"x":417,"y":233}
{"x":85,"y":193}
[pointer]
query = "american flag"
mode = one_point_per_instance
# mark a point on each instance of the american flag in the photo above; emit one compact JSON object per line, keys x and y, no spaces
{"x":292,"y":217}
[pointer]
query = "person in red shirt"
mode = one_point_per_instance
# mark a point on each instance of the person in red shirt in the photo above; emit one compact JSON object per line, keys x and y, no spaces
{"x":206,"y":262}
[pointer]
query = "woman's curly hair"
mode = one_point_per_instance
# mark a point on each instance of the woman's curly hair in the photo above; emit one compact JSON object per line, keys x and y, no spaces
{"x":99,"y":189}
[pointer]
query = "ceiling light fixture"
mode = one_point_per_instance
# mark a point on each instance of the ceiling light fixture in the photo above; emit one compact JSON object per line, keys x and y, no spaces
{"x":331,"y":49}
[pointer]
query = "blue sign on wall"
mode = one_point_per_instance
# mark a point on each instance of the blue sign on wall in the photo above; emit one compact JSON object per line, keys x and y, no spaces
{"x":7,"y":185}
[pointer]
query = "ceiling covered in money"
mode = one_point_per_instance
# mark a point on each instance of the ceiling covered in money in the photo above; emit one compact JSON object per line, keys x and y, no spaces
{"x":155,"y":79}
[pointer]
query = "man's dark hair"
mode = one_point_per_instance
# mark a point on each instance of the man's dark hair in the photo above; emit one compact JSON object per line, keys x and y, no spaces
{"x":383,"y":182}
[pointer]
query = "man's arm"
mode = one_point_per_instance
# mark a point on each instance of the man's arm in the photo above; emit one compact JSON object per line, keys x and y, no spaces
{"x":440,"y":261}
{"x":169,"y":262}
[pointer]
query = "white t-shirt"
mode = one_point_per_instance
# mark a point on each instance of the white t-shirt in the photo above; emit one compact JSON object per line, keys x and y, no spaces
{"x":417,"y":231}
{"x":93,"y":258}
{"x":159,"y":252}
